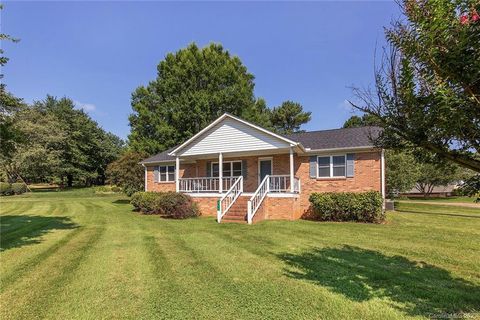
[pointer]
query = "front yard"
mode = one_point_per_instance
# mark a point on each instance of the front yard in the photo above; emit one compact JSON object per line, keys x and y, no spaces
{"x":73,"y":254}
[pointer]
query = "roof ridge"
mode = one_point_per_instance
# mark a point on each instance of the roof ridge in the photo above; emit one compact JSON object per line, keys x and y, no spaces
{"x":334,"y":129}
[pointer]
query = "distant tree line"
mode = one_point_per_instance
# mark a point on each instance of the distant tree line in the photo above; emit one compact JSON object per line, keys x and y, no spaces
{"x":52,"y":141}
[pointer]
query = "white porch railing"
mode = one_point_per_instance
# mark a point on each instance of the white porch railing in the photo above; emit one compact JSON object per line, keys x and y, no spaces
{"x":229,"y":198}
{"x":281,"y":183}
{"x":257,"y":198}
{"x":205,"y":184}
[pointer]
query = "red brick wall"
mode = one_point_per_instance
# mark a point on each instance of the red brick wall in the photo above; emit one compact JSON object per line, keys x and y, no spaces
{"x":186,"y":171}
{"x":207,"y":206}
{"x":367,"y":176}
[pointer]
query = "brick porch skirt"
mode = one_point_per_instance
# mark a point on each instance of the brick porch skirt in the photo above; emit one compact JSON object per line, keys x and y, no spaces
{"x":272,"y":208}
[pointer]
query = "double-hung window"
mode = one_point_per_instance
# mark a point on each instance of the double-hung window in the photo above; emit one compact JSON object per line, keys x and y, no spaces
{"x":230,"y":169}
{"x":166,"y":173}
{"x":331,"y":166}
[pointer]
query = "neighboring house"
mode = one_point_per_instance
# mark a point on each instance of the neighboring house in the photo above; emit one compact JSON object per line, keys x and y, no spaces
{"x":242,"y":172}
{"x":437,"y":192}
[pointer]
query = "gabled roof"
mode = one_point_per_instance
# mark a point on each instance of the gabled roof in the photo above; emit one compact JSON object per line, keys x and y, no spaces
{"x":360,"y":137}
{"x":345,"y":138}
{"x":222,"y":118}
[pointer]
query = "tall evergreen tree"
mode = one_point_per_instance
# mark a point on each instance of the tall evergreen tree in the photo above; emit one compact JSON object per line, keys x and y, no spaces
{"x":289,"y":117}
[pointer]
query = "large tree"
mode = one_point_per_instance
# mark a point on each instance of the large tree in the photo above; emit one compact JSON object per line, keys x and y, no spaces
{"x":59,"y":143}
{"x":9,"y":104}
{"x":193,"y":87}
{"x":427,"y":88}
{"x":289,"y":117}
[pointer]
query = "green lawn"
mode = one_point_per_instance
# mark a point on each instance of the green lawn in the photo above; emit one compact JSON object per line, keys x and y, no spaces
{"x":76,"y":255}
{"x":446,"y":199}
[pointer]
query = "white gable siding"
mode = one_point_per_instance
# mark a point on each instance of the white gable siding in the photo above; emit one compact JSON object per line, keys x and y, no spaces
{"x":232,"y":136}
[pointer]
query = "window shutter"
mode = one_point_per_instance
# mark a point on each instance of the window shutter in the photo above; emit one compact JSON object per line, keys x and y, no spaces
{"x":350,"y":164}
{"x":209,"y":169}
{"x":313,"y":167}
{"x":155,"y":174}
{"x":244,"y":169}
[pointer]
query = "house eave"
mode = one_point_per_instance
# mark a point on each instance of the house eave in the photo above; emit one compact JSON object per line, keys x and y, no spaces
{"x":346,"y":149}
{"x":221,"y":118}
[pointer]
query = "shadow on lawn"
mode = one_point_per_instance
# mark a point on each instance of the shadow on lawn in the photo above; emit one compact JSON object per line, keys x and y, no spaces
{"x":414,"y":287}
{"x":17,"y":231}
{"x":121,"y":201}
{"x":457,"y":215}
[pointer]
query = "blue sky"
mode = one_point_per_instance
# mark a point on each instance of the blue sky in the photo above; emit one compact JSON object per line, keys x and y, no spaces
{"x":97,"y":53}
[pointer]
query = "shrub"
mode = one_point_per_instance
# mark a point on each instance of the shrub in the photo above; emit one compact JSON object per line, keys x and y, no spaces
{"x":19,"y":188}
{"x":107,"y":189}
{"x":5,"y":189}
{"x":347,"y":206}
{"x":169,"y":204}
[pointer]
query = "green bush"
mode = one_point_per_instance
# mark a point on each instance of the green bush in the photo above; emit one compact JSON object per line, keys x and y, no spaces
{"x":107,"y":189}
{"x":5,"y":189}
{"x":19,"y":188}
{"x":169,"y":204}
{"x":347,"y":206}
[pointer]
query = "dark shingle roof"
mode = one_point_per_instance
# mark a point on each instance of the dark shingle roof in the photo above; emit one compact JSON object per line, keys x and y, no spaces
{"x":322,"y":139}
{"x":162,"y":156}
{"x":337,"y":138}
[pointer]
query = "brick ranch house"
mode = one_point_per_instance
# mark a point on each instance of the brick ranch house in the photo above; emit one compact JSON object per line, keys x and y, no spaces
{"x":241,"y":172}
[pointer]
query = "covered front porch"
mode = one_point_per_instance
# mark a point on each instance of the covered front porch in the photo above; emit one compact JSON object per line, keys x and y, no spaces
{"x":217,"y":175}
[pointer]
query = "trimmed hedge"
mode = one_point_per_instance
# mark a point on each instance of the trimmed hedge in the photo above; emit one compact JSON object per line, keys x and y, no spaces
{"x":347,"y":206}
{"x":19,"y":188}
{"x":169,"y":204}
{"x":7,"y":189}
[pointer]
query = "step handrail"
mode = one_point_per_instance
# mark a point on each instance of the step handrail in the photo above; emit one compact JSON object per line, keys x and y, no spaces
{"x":257,"y":198}
{"x":229,"y":198}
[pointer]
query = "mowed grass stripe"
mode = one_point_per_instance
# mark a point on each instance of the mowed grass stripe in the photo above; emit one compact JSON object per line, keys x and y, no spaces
{"x":48,"y":278}
{"x":113,"y":277}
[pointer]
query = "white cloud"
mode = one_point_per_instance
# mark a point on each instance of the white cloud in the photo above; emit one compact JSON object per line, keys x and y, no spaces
{"x":87,"y":107}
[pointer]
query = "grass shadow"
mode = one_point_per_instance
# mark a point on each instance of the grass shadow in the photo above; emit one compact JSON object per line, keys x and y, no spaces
{"x":121,"y":201}
{"x":416,"y":288}
{"x":459,"y":215}
{"x":20,"y":230}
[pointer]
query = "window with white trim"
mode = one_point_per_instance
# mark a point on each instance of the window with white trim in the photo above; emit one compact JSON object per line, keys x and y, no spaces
{"x":230,"y":169}
{"x":331,"y":166}
{"x":166,"y":173}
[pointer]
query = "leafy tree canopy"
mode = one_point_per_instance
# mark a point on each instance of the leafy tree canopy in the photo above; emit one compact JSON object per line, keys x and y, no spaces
{"x":289,"y":117}
{"x":427,"y":88}
{"x":361,"y":121}
{"x":57,"y":142}
{"x":193,"y":87}
{"x":126,"y":172}
{"x":402,"y":172}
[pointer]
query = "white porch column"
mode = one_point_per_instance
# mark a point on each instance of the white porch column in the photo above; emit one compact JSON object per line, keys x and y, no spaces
{"x":292,"y":187}
{"x":382,"y":176}
{"x":177,"y":174}
{"x":220,"y":172}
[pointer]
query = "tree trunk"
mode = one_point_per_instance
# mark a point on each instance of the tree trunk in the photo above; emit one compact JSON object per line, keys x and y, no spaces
{"x":69,"y":180}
